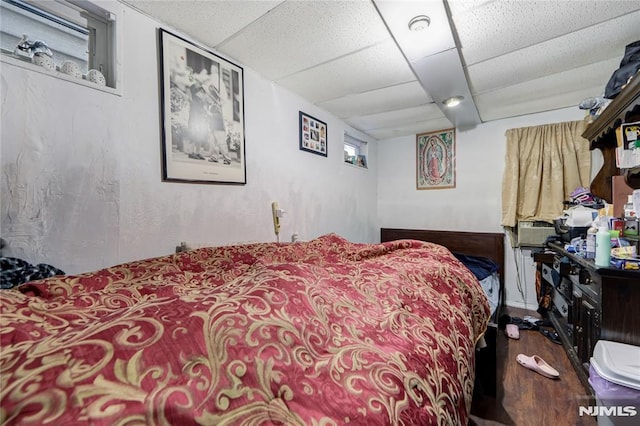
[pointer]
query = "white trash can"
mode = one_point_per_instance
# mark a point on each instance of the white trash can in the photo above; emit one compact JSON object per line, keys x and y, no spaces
{"x":614,"y":374}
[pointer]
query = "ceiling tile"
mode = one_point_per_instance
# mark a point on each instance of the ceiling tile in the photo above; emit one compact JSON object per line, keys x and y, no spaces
{"x":208,"y":22}
{"x":399,"y":117}
{"x":543,"y":94}
{"x":556,"y":55}
{"x":459,"y":7}
{"x":375,"y":67}
{"x":380,"y":100}
{"x":411,"y":129}
{"x":300,"y":34}
{"x":499,"y":27}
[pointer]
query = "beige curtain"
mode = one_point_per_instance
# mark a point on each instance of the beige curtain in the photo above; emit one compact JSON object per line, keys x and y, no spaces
{"x":543,"y":165}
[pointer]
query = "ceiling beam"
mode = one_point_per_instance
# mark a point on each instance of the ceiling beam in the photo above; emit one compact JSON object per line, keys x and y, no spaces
{"x":433,"y":55}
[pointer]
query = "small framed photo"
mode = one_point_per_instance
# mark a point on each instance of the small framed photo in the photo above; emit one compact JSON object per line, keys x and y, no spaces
{"x":313,"y":134}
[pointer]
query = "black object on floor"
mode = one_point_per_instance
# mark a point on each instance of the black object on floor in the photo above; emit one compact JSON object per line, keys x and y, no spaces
{"x":503,"y":321}
{"x":521,"y":323}
{"x":544,"y":323}
{"x":551,"y":335}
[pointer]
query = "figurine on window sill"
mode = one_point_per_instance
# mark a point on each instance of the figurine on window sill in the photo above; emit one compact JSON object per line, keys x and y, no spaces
{"x":37,"y":51}
{"x":30,"y":48}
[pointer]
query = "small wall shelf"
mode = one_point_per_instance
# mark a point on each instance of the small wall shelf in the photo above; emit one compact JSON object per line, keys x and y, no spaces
{"x":602,"y":135}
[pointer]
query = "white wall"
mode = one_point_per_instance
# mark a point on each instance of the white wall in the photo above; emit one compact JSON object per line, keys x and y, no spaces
{"x":475,"y":203}
{"x":81,"y":179}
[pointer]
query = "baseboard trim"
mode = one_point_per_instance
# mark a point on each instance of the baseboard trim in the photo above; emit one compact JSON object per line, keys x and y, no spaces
{"x":521,"y":305}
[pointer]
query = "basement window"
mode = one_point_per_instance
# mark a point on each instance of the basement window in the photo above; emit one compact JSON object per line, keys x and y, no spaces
{"x":355,"y":151}
{"x":72,"y":30}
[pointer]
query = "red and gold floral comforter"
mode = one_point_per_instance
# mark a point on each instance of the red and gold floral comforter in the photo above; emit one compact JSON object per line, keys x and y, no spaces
{"x":318,"y":333}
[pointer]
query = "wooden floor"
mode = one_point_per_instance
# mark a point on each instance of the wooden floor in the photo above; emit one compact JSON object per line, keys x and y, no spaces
{"x":524,"y":397}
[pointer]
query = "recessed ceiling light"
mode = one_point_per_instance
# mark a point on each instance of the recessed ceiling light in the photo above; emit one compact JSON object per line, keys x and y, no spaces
{"x":453,"y":101}
{"x":419,"y":23}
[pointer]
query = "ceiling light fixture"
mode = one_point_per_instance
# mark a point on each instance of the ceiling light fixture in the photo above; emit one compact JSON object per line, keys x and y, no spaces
{"x":453,"y":101}
{"x":419,"y":23}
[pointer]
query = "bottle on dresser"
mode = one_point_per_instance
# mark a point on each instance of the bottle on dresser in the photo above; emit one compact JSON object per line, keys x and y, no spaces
{"x":591,"y":242}
{"x":603,"y":247}
{"x":630,"y":218}
{"x":629,"y":210}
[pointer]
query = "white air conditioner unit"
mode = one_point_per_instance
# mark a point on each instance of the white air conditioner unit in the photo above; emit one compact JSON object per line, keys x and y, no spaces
{"x":533,"y":233}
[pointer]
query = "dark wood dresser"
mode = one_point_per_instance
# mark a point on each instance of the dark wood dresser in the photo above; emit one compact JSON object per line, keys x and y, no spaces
{"x":589,"y":304}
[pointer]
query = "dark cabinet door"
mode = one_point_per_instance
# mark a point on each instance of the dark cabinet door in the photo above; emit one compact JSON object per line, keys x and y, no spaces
{"x":619,"y":307}
{"x":576,"y":320}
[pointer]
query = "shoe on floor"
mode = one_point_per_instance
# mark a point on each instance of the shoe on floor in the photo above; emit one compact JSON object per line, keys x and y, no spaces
{"x":512,"y":332}
{"x":551,"y":335}
{"x":538,"y":365}
{"x":525,"y":325}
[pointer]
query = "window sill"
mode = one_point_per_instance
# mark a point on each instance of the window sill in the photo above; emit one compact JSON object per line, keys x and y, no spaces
{"x":355,"y":166}
{"x":18,"y":62}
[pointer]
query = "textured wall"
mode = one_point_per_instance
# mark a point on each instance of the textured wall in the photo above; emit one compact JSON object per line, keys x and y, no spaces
{"x":81,"y":174}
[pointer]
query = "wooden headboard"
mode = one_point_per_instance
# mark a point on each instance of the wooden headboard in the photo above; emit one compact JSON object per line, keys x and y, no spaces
{"x":483,"y":244}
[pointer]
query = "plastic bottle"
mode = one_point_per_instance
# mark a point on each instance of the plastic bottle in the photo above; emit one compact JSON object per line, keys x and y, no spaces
{"x":629,"y":211}
{"x":603,"y":247}
{"x":591,"y":243}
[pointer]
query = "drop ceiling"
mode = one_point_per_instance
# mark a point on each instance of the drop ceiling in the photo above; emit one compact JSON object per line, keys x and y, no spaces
{"x":358,"y":60}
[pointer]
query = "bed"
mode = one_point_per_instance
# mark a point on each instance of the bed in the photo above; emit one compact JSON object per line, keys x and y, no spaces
{"x":480,"y":245}
{"x":320,"y":332}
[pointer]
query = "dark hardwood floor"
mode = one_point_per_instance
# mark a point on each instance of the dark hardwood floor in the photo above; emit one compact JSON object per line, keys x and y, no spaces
{"x":525,"y":397}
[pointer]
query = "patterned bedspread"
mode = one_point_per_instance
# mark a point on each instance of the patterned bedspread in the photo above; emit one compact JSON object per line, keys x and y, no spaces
{"x":318,"y":333}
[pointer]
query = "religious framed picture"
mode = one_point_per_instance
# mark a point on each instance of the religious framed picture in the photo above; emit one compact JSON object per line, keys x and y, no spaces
{"x":313,"y":134}
{"x":435,"y":159}
{"x":202,"y":104}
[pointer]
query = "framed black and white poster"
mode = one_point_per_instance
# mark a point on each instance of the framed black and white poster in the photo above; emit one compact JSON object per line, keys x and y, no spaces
{"x":202,"y":102}
{"x":313,"y":134}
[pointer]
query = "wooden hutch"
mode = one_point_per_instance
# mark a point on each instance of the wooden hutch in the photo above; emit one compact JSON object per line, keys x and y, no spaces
{"x":601,"y":133}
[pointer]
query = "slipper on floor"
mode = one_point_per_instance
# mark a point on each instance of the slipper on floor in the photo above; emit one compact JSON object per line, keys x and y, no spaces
{"x":538,"y":365}
{"x":544,"y":323}
{"x":551,"y":335}
{"x":527,"y":326}
{"x":506,"y":319}
{"x":538,"y":322}
{"x":512,"y":331}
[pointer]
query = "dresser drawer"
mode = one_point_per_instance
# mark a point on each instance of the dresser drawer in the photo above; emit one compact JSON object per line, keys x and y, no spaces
{"x":562,"y":266}
{"x":562,"y":305}
{"x":565,"y":287}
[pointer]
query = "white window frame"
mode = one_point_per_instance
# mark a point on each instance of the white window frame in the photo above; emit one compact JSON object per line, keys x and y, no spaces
{"x":102,"y":19}
{"x":352,"y":143}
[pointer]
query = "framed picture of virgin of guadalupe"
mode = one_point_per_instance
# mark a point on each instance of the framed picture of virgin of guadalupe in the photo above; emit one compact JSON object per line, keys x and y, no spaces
{"x":435,"y":159}
{"x":202,"y":104}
